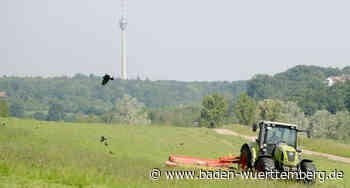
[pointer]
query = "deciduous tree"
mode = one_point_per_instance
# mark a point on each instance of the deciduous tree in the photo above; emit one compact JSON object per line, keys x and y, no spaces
{"x":245,"y":109}
{"x":130,"y":111}
{"x":213,"y":110}
{"x":270,"y":110}
{"x":56,"y":112}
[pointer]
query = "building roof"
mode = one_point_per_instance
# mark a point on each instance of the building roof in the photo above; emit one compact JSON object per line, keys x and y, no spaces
{"x":334,"y":79}
{"x":339,"y":78}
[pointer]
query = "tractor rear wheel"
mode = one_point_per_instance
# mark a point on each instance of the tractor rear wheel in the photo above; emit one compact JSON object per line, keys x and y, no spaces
{"x":308,"y":167}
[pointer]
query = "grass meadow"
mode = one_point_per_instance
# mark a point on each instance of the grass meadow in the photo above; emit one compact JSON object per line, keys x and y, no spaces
{"x":49,"y":154}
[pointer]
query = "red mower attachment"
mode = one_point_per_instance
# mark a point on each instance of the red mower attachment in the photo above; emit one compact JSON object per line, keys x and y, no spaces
{"x":222,"y":162}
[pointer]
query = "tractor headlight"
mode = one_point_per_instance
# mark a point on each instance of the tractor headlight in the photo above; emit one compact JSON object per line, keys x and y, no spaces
{"x":291,"y":156}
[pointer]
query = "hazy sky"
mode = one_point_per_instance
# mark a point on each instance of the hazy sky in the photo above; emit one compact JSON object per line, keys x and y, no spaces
{"x":176,"y":40}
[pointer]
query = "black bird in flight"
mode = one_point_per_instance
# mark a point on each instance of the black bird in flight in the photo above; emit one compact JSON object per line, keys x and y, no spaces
{"x":103,"y":139}
{"x":106,"y":79}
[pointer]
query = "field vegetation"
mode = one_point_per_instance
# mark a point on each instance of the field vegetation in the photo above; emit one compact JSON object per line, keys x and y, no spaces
{"x":55,"y":154}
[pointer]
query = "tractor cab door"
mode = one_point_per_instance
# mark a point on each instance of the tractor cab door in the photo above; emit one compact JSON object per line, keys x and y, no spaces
{"x":271,"y":138}
{"x":278,"y":134}
{"x":265,"y":139}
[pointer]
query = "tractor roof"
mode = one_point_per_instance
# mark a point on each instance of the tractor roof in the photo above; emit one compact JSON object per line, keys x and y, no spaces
{"x":279,"y":123}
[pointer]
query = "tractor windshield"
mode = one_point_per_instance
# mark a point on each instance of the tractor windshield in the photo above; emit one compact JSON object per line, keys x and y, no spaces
{"x":275,"y":134}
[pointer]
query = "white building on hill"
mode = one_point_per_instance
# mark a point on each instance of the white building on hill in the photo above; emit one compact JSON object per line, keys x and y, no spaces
{"x":334,"y":79}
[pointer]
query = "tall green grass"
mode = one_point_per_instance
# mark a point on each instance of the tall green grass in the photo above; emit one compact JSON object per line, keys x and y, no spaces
{"x":47,"y":154}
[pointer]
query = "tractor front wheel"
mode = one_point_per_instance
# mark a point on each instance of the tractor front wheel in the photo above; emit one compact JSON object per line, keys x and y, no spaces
{"x":265,"y":164}
{"x":308,"y":167}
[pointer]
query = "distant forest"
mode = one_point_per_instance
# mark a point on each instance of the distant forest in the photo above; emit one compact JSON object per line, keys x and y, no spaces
{"x":300,"y":95}
{"x":305,"y":85}
{"x":84,"y":95}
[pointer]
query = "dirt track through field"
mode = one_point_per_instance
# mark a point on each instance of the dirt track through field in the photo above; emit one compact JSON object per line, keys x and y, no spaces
{"x":252,"y":138}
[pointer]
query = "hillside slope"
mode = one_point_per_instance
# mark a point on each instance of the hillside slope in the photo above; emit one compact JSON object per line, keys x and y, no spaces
{"x":305,"y":85}
{"x":85,"y":94}
{"x":48,"y":154}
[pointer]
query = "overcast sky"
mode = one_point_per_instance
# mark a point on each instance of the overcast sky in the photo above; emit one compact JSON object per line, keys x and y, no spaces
{"x":172,"y":40}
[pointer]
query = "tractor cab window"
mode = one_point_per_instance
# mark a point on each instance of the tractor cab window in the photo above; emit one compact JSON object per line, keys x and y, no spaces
{"x":276,"y":134}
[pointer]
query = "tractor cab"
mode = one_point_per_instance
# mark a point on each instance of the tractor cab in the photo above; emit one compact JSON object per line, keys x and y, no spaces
{"x":274,"y":133}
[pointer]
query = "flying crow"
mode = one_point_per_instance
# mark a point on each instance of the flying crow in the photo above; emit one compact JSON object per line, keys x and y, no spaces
{"x":103,"y":139}
{"x":106,"y":79}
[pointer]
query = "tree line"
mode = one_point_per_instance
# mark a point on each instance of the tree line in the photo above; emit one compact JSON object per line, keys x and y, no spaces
{"x":299,"y":95}
{"x":322,"y":124}
{"x":306,"y":86}
{"x":84,"y":95}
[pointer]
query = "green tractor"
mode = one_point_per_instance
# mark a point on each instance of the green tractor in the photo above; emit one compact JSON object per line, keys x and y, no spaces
{"x":275,"y":149}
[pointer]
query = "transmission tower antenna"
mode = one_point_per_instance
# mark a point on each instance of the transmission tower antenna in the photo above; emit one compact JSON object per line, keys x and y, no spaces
{"x":123,"y":24}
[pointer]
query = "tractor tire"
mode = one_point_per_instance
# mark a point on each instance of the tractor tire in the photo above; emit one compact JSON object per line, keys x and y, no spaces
{"x":265,"y":164}
{"x":308,"y":167}
{"x":246,"y":158}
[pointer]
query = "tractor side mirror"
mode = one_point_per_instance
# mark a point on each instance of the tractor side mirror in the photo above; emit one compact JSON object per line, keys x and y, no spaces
{"x":308,"y":134}
{"x":255,"y":127}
